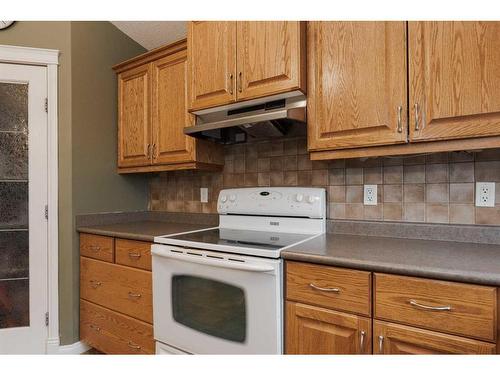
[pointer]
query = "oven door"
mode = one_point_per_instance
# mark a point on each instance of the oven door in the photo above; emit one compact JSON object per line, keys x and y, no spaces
{"x":216,"y":303}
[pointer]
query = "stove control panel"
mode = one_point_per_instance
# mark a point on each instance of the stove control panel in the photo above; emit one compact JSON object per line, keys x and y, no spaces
{"x":273,"y":201}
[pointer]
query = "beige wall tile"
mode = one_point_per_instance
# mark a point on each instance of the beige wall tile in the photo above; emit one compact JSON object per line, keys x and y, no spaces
{"x":304,"y":163}
{"x":436,"y":173}
{"x":304,"y":178}
{"x":264,"y":165}
{"x":337,"y":210}
{"x":462,"y":192}
{"x":372,"y":175}
{"x":290,"y":147}
{"x":436,"y":213}
{"x":251,"y":179}
{"x":414,"y":173}
{"x":440,"y":157}
{"x":373,"y":212}
{"x":276,"y":163}
{"x":276,"y":178}
{"x":487,"y":171}
{"x":393,"y":193}
{"x":263,"y":179}
{"x":336,"y":194}
{"x":436,"y":193}
{"x":336,"y":176}
{"x":320,"y":177}
{"x":354,"y":176}
{"x":290,"y":163}
{"x":354,"y":211}
{"x":251,"y":164}
{"x":290,"y":178}
{"x":414,"y":193}
{"x":462,"y":213}
{"x":462,"y":172}
{"x":491,"y":154}
{"x":488,"y":215}
{"x":461,"y":156}
{"x":319,"y":164}
{"x":393,"y":174}
{"x":414,"y":212}
{"x":354,"y":194}
{"x":393,"y":211}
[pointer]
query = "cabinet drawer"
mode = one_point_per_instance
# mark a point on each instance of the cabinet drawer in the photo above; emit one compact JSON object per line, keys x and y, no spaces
{"x":133,"y":253}
{"x":468,"y":310}
{"x":390,"y":338}
{"x":97,"y":247}
{"x":114,"y":333}
{"x":119,"y":288}
{"x":331,"y":287}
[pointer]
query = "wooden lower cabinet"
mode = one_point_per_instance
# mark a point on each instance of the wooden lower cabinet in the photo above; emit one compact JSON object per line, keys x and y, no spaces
{"x":390,"y":338}
{"x":315,"y":330}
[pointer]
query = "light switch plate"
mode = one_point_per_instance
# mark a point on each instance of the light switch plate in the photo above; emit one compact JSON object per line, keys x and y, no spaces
{"x":204,"y":195}
{"x":485,"y":194}
{"x":370,"y":195}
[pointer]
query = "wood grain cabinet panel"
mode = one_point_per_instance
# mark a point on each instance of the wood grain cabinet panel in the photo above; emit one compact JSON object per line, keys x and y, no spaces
{"x":463,"y":309}
{"x":97,"y":247}
{"x":271,"y":58}
{"x":134,"y":117}
{"x":133,"y":253}
{"x":114,"y":333}
{"x":170,"y":115}
{"x":315,"y":330}
{"x":357,"y":84}
{"x":212,"y":63}
{"x":454,"y":80}
{"x":331,"y":287}
{"x":390,"y":338}
{"x":118,"y":288}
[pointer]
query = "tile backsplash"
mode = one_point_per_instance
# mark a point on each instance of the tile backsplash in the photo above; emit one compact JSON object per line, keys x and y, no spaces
{"x":433,"y":188}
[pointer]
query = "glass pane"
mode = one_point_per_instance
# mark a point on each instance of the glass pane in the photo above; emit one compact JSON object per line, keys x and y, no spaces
{"x":14,"y":303}
{"x":212,"y":307}
{"x":14,"y":235}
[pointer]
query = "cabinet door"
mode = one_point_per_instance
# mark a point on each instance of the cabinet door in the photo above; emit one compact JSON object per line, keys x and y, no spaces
{"x":134,"y":121}
{"x":314,"y":330}
{"x":454,"y":80}
{"x":212,"y":63}
{"x":389,"y":338}
{"x":270,"y":57}
{"x":170,"y":114}
{"x":357,"y":84}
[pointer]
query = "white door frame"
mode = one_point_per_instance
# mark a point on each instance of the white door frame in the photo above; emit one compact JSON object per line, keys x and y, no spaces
{"x":50,"y":59}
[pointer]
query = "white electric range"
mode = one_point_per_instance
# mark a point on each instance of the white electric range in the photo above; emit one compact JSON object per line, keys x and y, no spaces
{"x":219,"y":290}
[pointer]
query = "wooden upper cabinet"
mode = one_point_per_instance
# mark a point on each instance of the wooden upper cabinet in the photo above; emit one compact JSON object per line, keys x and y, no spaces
{"x":212,"y":63}
{"x":315,"y":330}
{"x":389,"y":338}
{"x":454,"y":80}
{"x":271,"y":57}
{"x":170,"y":114}
{"x":357,"y":84}
{"x":134,"y":117}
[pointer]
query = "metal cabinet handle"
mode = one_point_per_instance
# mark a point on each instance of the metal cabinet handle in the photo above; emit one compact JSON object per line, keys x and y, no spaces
{"x":432,"y":308}
{"x":134,"y":255}
{"x":95,"y":248}
{"x":133,"y":346}
{"x":134,"y":295}
{"x":417,"y":126}
{"x":95,"y":283}
{"x":231,"y":83}
{"x":362,"y":342}
{"x":96,"y":328}
{"x":381,"y":344}
{"x":400,"y":125}
{"x":240,"y":84}
{"x":333,"y":290}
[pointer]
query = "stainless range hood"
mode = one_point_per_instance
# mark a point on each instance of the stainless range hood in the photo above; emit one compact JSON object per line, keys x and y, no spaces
{"x":273,"y":116}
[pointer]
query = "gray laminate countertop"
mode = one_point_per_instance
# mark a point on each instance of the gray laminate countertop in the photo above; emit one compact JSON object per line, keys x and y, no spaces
{"x":445,"y":260}
{"x":141,"y":230}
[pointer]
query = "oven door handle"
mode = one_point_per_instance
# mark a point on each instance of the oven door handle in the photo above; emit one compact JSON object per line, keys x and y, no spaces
{"x":222,"y":263}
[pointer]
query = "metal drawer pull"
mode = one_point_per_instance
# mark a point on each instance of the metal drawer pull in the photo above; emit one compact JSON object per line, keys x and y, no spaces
{"x":400,"y":125}
{"x":240,"y":85}
{"x":134,"y":255}
{"x":362,"y":343}
{"x":381,"y":344}
{"x":134,"y":295}
{"x":133,"y":346}
{"x":231,"y":83}
{"x":95,"y":248}
{"x":95,"y":283}
{"x":433,"y":308}
{"x":333,"y":290}
{"x":95,"y":328}
{"x":417,"y":128}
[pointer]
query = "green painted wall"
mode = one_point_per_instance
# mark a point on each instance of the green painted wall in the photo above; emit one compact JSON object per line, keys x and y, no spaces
{"x":87,"y":137}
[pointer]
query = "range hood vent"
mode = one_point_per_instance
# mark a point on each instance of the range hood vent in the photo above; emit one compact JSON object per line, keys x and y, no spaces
{"x":274,"y":116}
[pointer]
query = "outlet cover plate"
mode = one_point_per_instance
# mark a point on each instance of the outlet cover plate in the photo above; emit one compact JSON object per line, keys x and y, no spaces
{"x":370,"y":195}
{"x":204,"y":195}
{"x":485,"y":194}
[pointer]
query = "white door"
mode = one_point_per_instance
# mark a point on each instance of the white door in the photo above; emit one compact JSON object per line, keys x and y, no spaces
{"x":23,"y":195}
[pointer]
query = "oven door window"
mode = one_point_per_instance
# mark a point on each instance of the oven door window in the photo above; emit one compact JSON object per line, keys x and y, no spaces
{"x":209,"y":306}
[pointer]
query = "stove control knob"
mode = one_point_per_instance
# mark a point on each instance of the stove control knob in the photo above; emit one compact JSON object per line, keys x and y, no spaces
{"x":299,"y":197}
{"x":223,"y":199}
{"x":232,"y":197}
{"x":311,"y":198}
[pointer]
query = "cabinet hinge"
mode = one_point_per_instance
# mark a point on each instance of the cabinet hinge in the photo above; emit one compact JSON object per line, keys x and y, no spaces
{"x":46,"y":319}
{"x":46,"y":105}
{"x":46,"y":212}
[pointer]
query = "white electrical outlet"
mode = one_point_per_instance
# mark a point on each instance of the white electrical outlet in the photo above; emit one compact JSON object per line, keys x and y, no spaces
{"x":485,"y":194}
{"x":370,"y":196}
{"x":204,"y":195}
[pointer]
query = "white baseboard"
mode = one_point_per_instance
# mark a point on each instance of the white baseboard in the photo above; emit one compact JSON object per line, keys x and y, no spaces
{"x":78,"y":347}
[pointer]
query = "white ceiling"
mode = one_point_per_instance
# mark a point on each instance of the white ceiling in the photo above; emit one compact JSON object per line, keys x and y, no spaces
{"x":152,"y":34}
